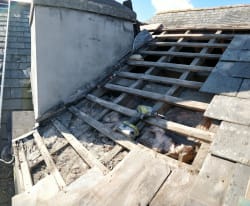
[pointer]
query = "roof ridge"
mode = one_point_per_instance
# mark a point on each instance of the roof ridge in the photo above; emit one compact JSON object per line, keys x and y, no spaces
{"x":202,"y":9}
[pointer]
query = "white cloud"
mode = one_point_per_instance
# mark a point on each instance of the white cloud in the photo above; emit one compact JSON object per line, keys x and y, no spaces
{"x":166,"y":5}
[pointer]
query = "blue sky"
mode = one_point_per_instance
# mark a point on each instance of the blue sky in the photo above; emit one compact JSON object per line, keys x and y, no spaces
{"x":147,"y":8}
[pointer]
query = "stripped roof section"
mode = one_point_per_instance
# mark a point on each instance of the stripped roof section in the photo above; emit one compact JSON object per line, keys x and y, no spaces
{"x":227,"y":16}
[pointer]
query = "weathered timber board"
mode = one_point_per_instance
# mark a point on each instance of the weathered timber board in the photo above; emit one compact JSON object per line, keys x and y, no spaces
{"x":247,"y":193}
{"x":231,"y":109}
{"x":175,"y":189}
{"x":212,"y":183}
{"x":244,"y":91}
{"x":237,"y":186}
{"x":73,"y":192}
{"x":236,"y":55}
{"x":232,"y":142}
{"x":239,"y":42}
{"x":43,"y":190}
{"x":219,"y":83}
{"x":133,"y":182}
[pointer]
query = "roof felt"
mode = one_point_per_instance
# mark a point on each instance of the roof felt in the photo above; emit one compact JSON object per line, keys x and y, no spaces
{"x":231,"y":16}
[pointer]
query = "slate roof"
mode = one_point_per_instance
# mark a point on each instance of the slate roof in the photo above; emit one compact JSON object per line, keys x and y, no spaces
{"x":228,"y":16}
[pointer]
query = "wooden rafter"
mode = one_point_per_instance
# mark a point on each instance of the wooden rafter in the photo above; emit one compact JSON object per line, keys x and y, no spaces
{"x":193,"y":105}
{"x":79,"y":148}
{"x":48,"y":160}
{"x":171,"y":66}
{"x":162,"y":80}
{"x":189,"y":44}
{"x":181,"y":54}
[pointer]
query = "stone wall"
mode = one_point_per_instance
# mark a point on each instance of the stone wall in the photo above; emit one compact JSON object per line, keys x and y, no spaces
{"x":74,"y":44}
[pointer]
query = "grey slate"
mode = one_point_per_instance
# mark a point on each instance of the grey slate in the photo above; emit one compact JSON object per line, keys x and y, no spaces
{"x":227,"y":16}
{"x":237,"y":186}
{"x":232,"y":142}
{"x":239,"y":41}
{"x":236,"y":55}
{"x":220,"y":81}
{"x":240,"y":69}
{"x":231,"y":109}
{"x":244,"y":91}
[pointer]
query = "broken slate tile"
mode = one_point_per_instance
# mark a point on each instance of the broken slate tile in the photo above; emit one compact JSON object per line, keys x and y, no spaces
{"x":231,"y":109}
{"x":244,"y":91}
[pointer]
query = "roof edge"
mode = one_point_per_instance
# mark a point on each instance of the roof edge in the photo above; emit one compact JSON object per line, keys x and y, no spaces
{"x":113,"y":9}
{"x":202,"y":9}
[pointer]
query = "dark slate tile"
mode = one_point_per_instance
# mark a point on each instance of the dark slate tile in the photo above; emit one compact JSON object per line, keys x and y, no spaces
{"x":240,"y":69}
{"x":236,"y":55}
{"x":246,"y":44}
{"x":239,"y":41}
{"x":220,"y":81}
{"x":244,"y":91}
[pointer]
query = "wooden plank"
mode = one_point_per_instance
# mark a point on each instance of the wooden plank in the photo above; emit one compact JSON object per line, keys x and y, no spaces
{"x":79,"y":148}
{"x":26,"y":175}
{"x":72,"y":194}
{"x":18,"y":178}
{"x":181,"y":129}
{"x":174,"y":191}
{"x":189,"y":44}
{"x":164,"y":124}
{"x":181,"y":54}
{"x":111,"y":154}
{"x":210,"y":187}
{"x":48,"y":160}
{"x":40,"y":194}
{"x":229,"y":109}
{"x":194,"y":105}
{"x":244,"y":91}
{"x":220,"y":83}
{"x":232,"y":142}
{"x":201,"y":156}
{"x":236,"y":55}
{"x":134,"y":182}
{"x":196,"y":36}
{"x":171,"y":66}
{"x":247,"y":194}
{"x":238,"y":185}
{"x":162,"y":80}
{"x":116,"y":137}
{"x":52,"y":151}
